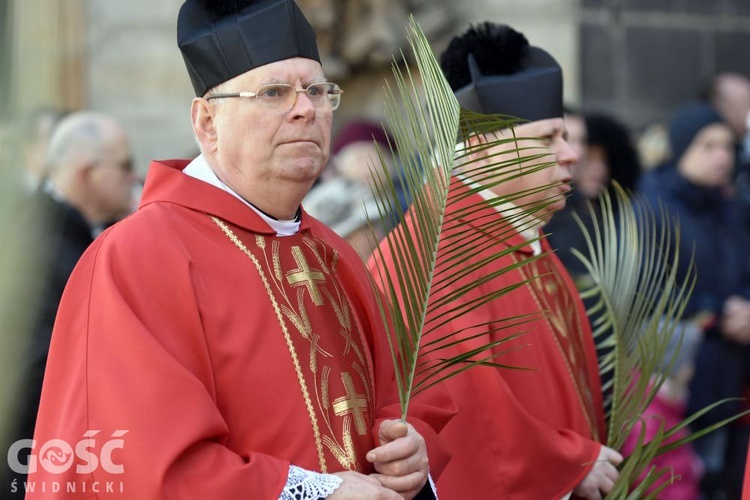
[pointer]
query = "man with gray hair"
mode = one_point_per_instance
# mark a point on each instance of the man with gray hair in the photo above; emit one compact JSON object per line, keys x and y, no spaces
{"x":89,"y":185}
{"x":91,"y":168}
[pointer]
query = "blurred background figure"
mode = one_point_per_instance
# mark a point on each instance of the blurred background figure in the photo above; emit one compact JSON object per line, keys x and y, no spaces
{"x":729,"y":94}
{"x":38,"y":130}
{"x":89,"y":185}
{"x":343,"y":205}
{"x":652,"y":144}
{"x":344,"y":192}
{"x":669,"y":409}
{"x":575,"y":124}
{"x":695,"y":187}
{"x":354,"y":153}
{"x":91,"y":169}
{"x":610,"y":156}
{"x":606,"y":154}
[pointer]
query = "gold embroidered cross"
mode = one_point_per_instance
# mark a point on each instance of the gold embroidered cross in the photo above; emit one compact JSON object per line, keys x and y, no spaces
{"x":352,"y":403}
{"x":306,"y":276}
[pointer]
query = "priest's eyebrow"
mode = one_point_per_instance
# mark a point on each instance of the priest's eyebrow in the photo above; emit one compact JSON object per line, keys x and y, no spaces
{"x":305,"y":83}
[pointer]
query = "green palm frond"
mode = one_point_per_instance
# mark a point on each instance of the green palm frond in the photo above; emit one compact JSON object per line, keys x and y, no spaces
{"x":638,"y":303}
{"x":426,"y":122}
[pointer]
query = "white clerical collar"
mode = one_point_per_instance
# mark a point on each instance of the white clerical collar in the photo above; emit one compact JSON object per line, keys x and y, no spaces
{"x":201,"y":170}
{"x":527,"y":226}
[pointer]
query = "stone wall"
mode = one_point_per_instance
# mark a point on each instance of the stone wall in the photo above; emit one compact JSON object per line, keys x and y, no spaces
{"x":635,"y":58}
{"x":641,"y":58}
{"x":549,"y":24}
{"x":135,"y":72}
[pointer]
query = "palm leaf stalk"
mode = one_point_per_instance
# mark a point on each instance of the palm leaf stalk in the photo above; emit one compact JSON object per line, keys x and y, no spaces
{"x":427,"y":123}
{"x":638,"y":303}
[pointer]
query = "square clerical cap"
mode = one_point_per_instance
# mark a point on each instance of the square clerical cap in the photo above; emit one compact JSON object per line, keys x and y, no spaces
{"x":535,"y":92}
{"x":222,"y":39}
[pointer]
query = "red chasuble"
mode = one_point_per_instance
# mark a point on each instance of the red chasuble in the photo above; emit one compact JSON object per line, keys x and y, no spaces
{"x":518,"y":434}
{"x":216,"y":353}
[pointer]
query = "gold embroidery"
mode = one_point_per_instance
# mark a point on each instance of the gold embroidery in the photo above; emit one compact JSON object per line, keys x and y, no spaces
{"x":334,"y":262}
{"x":324,"y":386}
{"x":352,"y":403}
{"x":276,"y":262}
{"x":346,"y":456}
{"x":361,"y":372}
{"x":300,"y":321}
{"x":306,"y":276}
{"x":260,"y":241}
{"x":344,"y":452}
{"x":348,"y":443}
{"x":342,"y":313}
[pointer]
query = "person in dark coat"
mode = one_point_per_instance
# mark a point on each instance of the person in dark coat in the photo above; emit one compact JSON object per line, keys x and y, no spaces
{"x":695,"y":188}
{"x":90,"y":186}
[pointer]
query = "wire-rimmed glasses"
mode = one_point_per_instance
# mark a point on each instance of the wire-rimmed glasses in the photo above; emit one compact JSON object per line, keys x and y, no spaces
{"x":283,"y":96}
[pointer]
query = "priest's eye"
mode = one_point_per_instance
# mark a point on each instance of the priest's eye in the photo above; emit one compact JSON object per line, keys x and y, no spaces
{"x":273,"y":92}
{"x":547,"y":141}
{"x":318,"y":89}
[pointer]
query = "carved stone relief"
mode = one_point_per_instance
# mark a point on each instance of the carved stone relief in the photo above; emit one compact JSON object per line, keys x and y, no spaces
{"x":366,"y":34}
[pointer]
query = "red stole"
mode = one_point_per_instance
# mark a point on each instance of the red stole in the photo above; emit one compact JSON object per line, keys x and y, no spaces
{"x":334,"y":372}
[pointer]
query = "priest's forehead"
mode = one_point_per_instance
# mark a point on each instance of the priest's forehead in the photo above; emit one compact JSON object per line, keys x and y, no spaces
{"x":297,"y":71}
{"x":547,"y":127}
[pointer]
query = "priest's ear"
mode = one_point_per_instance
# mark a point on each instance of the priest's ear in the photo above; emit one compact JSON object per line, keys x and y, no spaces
{"x":203,"y":116}
{"x":473,"y":149}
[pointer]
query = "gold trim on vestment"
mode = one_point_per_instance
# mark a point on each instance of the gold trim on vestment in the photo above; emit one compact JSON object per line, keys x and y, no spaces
{"x":354,"y":408}
{"x":300,"y":378}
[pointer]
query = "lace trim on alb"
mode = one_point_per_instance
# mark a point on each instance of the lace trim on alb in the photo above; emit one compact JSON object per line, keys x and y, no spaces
{"x":303,"y":484}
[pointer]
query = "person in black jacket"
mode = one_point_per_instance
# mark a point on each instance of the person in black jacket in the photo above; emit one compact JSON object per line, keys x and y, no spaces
{"x":90,"y":185}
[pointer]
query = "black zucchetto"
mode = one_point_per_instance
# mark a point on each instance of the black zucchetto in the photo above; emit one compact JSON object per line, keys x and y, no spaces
{"x":493,"y":69}
{"x":222,"y":39}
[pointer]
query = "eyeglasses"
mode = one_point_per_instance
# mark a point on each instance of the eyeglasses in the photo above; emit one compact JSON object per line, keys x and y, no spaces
{"x":283,"y":96}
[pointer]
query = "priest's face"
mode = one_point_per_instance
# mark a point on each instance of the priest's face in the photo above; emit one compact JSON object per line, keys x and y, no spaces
{"x":267,"y":154}
{"x":543,"y":137}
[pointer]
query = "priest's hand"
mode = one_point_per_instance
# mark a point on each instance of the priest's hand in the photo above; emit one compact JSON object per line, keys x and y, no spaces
{"x":601,"y":478}
{"x":401,"y":459}
{"x":356,"y":486}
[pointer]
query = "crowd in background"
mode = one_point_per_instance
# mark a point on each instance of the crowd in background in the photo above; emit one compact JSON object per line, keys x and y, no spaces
{"x":79,"y":178}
